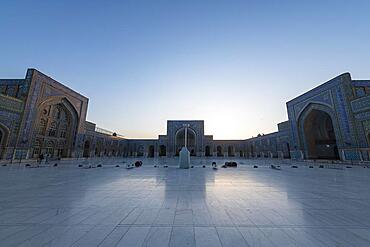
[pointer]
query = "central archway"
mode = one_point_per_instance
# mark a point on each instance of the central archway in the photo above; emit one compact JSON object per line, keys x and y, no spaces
{"x":320,"y":136}
{"x":180,"y":141}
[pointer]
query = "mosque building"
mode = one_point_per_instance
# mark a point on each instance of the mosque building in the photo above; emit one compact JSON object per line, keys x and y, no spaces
{"x":39,"y":115}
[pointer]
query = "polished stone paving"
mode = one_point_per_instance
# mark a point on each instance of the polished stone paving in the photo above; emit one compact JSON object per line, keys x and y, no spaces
{"x":147,"y":206}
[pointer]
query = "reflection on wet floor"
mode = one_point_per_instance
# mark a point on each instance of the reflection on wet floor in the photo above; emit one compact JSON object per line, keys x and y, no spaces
{"x":68,"y":205}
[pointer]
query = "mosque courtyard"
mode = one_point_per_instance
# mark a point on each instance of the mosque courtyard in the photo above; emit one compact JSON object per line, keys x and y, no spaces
{"x":250,"y":205}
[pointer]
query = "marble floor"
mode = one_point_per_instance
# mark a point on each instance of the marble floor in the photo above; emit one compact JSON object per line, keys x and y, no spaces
{"x":146,"y":206}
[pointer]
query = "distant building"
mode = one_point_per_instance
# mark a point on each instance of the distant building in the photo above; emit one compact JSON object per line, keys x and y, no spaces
{"x":39,"y":115}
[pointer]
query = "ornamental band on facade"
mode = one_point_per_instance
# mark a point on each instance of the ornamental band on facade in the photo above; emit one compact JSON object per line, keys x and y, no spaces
{"x":39,"y":115}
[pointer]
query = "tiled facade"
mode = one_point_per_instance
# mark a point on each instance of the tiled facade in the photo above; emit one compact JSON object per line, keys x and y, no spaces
{"x":40,"y":115}
{"x":347,"y":103}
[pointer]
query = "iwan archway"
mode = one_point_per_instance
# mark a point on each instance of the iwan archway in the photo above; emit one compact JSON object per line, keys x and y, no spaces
{"x":318,"y":133}
{"x":55,"y":128}
{"x":180,"y":141}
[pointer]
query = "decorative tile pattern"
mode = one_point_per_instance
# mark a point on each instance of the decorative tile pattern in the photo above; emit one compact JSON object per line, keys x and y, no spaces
{"x":336,"y":96}
{"x":361,"y":104}
{"x":344,"y":121}
{"x":324,"y":98}
{"x":352,"y":155}
{"x":11,"y":104}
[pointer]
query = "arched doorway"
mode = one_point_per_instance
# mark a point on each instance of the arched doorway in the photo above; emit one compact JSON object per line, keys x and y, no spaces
{"x":151,"y":151}
{"x":162,"y":150}
{"x":99,"y":148}
{"x":219,"y":151}
{"x":55,"y":127}
{"x":208,"y":151}
{"x":288,"y":150}
{"x":180,"y":141}
{"x":140,"y":151}
{"x":86,"y":152}
{"x":319,"y":136}
{"x":230,"y":151}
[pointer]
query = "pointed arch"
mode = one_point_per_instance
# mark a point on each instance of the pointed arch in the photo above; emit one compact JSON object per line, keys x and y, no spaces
{"x":86,"y":150}
{"x":162,"y":150}
{"x":319,"y":132}
{"x":208,"y":151}
{"x":231,"y":151}
{"x":180,"y":140}
{"x":219,"y":151}
{"x":56,"y":120}
{"x":151,"y":151}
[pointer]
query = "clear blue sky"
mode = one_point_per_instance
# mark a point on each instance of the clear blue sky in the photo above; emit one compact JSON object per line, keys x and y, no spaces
{"x":232,"y":63}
